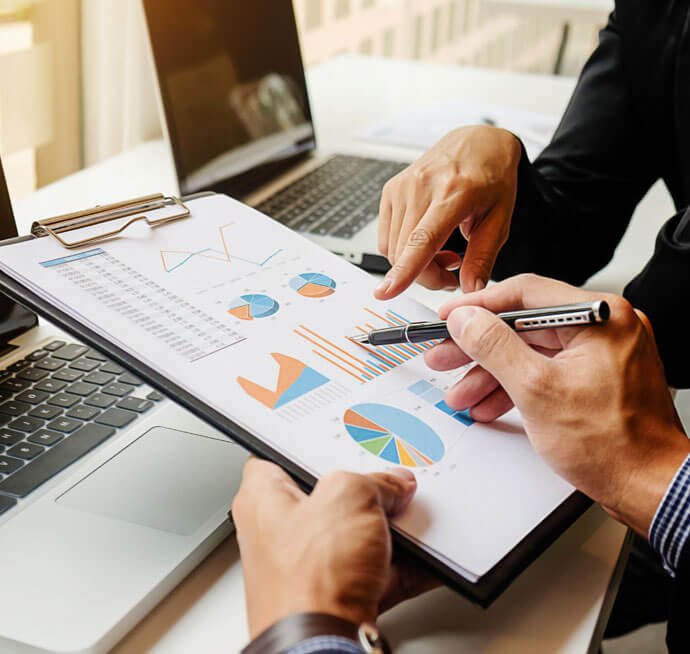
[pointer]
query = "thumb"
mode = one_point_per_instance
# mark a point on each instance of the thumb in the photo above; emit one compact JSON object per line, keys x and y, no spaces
{"x":486,"y":339}
{"x":395,"y":489}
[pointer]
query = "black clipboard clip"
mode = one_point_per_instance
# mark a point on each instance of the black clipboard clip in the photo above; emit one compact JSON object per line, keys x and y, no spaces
{"x":109,"y":221}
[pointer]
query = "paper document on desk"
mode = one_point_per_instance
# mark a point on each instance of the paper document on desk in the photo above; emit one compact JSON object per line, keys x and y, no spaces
{"x":423,"y":126}
{"x":254,"y":320}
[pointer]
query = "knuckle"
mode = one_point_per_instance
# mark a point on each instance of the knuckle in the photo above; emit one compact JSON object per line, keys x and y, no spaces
{"x":622,"y":311}
{"x":239,"y":508}
{"x":488,"y":339}
{"x":422,"y":238}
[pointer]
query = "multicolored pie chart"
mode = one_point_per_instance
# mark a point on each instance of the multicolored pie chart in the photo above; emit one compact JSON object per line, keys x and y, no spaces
{"x":393,"y":435}
{"x":313,"y":285}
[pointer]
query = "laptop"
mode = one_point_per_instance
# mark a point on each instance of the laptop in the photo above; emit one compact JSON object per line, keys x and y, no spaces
{"x":236,"y":111}
{"x":109,"y":493}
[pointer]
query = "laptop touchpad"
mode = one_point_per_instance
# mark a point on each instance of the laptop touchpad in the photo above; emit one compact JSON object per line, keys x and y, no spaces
{"x":166,"y":479}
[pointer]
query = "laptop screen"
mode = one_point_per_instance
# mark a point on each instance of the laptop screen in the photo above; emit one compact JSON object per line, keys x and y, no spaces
{"x":14,"y":319}
{"x":233,"y":90}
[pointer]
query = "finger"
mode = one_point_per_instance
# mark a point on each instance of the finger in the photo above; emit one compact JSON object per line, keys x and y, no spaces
{"x":407,"y":580}
{"x":438,"y":274}
{"x":422,"y":245}
{"x":495,"y":347}
{"x":492,"y":407}
{"x":385,"y":211}
{"x":520,"y":292}
{"x":416,"y":205}
{"x":474,"y":387}
{"x":265,"y":487}
{"x":446,"y":356}
{"x":398,"y":208}
{"x":396,"y":489}
{"x":484,"y":242}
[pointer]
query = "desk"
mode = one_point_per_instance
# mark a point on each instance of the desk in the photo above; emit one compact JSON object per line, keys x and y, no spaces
{"x":555,"y":605}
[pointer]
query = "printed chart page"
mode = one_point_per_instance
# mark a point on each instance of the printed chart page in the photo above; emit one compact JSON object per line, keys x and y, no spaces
{"x":256,"y":321}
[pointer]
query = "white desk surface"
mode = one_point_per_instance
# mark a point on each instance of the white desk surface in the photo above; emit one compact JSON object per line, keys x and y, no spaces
{"x":554,"y":606}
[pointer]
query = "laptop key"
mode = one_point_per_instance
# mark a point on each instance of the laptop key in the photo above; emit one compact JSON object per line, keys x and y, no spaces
{"x":119,"y":390}
{"x":81,"y":388}
{"x":98,"y":377}
{"x":100,"y":401}
{"x":50,"y":385}
{"x":154,"y":396}
{"x":70,"y":352}
{"x":32,"y":374}
{"x":6,"y":503}
{"x":32,"y":396}
{"x":37,"y":355}
{"x":45,"y":437}
{"x":93,"y":354}
{"x":129,"y":378}
{"x":64,"y":400}
{"x":14,"y":385}
{"x":54,"y":345}
{"x":26,"y":451}
{"x":85,"y":365}
{"x":9,"y":437}
{"x":64,"y":425}
{"x":82,"y":412}
{"x":116,"y":417}
{"x":45,"y":412}
{"x":8,"y":465}
{"x":50,"y":364}
{"x":14,"y":408}
{"x":26,"y":424}
{"x":18,"y":365}
{"x":68,"y":375}
{"x":56,"y":459}
{"x":112,"y":368}
{"x":135,"y":404}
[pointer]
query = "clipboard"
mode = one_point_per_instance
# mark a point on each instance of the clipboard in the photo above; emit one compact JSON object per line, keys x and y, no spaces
{"x":111,"y":221}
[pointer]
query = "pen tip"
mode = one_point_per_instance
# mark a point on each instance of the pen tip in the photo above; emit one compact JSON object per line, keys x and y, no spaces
{"x":360,"y":338}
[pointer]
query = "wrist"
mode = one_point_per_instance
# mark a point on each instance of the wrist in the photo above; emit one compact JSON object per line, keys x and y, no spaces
{"x":646,"y":481}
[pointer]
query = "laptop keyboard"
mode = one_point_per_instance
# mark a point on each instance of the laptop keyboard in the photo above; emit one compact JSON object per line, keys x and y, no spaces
{"x":339,"y":198}
{"x":57,"y":404}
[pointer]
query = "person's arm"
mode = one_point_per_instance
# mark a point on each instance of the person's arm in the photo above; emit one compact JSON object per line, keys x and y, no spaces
{"x":561,"y":216}
{"x":317,"y":568}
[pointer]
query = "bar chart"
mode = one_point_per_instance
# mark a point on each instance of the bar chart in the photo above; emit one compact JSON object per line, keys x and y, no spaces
{"x":363,"y":362}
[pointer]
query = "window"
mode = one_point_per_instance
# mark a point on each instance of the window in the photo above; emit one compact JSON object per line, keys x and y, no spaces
{"x":452,"y":20}
{"x":342,"y":8}
{"x":436,"y":18}
{"x":367,"y":3}
{"x":313,"y":14}
{"x":418,"y":36}
{"x":388,"y":42}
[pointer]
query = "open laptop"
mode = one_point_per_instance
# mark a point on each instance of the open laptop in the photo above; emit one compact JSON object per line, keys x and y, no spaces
{"x":237,"y":114}
{"x":109,"y":493}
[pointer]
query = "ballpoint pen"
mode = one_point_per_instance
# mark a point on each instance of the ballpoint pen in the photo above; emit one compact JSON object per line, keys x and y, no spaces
{"x":568,"y":315}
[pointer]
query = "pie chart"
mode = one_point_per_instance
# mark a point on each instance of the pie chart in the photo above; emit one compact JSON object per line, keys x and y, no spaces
{"x":393,"y":435}
{"x":252,"y":306}
{"x":313,"y":285}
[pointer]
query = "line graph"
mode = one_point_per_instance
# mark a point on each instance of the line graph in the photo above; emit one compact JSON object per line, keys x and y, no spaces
{"x":173,"y":260}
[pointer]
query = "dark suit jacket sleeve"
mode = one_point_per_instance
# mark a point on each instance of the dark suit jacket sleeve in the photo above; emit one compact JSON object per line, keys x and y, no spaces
{"x":575,"y":202}
{"x":678,"y":633}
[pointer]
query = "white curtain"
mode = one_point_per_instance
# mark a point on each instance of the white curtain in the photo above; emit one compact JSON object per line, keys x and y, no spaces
{"x":119,"y":91}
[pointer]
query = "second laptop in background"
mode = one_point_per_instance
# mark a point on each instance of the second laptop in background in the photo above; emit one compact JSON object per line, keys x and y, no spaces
{"x":237,"y":114}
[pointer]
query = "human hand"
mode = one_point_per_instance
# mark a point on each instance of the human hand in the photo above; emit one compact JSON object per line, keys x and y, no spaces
{"x":329,"y":552}
{"x":467,"y":180}
{"x":594,"y":400}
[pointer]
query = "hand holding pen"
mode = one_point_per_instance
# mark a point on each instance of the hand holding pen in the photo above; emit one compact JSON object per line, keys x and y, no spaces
{"x":567,"y":315}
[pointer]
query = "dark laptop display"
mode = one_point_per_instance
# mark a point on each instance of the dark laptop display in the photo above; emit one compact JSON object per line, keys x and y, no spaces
{"x":14,"y":319}
{"x":233,"y":89}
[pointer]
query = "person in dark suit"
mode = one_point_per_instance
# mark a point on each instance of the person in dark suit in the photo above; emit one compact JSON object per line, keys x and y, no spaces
{"x":595,"y":406}
{"x":626,"y":127}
